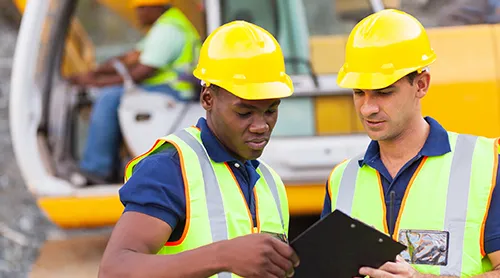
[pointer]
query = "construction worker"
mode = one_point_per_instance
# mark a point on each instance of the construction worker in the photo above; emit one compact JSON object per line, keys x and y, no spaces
{"x":200,"y":195}
{"x":160,"y":63}
{"x":429,"y":188}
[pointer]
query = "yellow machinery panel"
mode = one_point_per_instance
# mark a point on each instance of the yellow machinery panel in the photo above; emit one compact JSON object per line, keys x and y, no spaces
{"x":79,"y":212}
{"x":334,"y":115}
{"x":463,"y":95}
{"x":327,"y":53}
{"x":97,"y":211}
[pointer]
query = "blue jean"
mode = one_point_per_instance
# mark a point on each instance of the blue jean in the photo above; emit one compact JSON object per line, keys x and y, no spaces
{"x":101,"y":152}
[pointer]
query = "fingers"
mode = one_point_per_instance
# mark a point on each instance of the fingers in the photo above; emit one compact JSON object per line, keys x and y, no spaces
{"x":393,"y":267}
{"x":283,"y":263}
{"x":389,"y":269}
{"x":374,"y":273}
{"x":295,"y":258}
{"x":275,"y":270}
{"x":286,"y":251}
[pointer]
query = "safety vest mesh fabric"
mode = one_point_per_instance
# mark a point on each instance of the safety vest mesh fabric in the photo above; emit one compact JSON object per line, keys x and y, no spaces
{"x":450,"y":193}
{"x":215,"y":206}
{"x":184,"y":64}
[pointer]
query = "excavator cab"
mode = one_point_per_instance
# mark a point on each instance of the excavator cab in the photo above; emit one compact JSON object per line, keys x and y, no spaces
{"x":154,"y":115}
{"x":317,"y":127}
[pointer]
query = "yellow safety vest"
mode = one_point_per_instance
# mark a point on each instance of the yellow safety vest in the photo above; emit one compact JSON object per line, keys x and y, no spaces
{"x":215,"y":206}
{"x":450,"y":192}
{"x":185,"y":63}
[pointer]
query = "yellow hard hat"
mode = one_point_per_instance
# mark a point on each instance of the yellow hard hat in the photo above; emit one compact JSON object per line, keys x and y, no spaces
{"x":246,"y":60}
{"x":382,"y":48}
{"x":140,"y":3}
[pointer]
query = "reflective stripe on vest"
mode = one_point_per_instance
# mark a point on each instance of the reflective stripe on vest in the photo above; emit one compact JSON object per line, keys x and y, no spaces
{"x":184,"y":64}
{"x":215,"y":206}
{"x":456,"y":188}
{"x":214,"y":197}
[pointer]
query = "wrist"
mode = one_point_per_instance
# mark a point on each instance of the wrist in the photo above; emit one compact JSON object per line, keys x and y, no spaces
{"x":220,"y":259}
{"x":420,"y":275}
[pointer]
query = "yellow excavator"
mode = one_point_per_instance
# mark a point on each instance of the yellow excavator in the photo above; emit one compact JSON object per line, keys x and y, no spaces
{"x":317,"y":127}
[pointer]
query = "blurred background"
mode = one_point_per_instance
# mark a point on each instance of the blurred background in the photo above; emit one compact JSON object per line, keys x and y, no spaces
{"x":54,"y":219}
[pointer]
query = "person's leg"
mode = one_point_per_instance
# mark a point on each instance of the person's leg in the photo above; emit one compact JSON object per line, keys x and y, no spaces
{"x":102,"y":147}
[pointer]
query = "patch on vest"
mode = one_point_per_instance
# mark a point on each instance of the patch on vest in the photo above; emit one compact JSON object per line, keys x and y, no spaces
{"x":425,"y":246}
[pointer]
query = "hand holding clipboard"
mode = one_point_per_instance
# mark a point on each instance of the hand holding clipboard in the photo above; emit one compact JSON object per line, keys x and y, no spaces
{"x":338,"y":246}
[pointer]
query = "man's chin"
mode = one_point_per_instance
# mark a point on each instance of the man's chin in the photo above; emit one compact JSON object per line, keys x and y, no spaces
{"x":375,"y":136}
{"x":253,"y":154}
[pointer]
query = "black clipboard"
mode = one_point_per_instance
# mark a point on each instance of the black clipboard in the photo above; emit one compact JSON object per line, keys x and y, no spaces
{"x":339,"y":245}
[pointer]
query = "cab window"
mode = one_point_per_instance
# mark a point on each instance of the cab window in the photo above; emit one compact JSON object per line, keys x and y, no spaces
{"x":337,"y":17}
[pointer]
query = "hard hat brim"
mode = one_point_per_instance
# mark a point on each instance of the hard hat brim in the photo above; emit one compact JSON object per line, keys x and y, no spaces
{"x":258,"y":91}
{"x":253,"y":91}
{"x":371,"y":80}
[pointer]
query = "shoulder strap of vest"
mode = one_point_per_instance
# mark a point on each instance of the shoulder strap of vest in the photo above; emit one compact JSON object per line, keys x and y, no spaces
{"x":347,"y":185}
{"x":159,"y":142}
{"x":215,"y":205}
{"x":270,"y":179}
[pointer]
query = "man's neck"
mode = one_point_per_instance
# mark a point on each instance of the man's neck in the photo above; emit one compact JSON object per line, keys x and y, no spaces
{"x":403,"y":148}
{"x":221,"y":142}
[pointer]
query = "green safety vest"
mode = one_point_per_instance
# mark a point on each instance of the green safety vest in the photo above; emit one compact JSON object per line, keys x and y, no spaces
{"x":450,"y":192}
{"x":184,"y":64}
{"x":215,"y":206}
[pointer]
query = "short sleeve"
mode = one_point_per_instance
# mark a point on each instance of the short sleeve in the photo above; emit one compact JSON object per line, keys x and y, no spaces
{"x":492,"y":226}
{"x":162,"y":45}
{"x":156,"y":188}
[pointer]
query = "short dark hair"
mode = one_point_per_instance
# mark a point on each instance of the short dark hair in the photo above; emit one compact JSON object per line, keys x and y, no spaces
{"x":411,"y":76}
{"x":214,"y":88}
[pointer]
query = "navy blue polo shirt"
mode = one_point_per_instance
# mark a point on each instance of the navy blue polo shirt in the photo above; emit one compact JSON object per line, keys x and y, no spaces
{"x":156,"y":187}
{"x":437,"y":143}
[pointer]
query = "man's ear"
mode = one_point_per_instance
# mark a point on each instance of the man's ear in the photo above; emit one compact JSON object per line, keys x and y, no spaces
{"x":207,"y":99}
{"x":422,"y":82}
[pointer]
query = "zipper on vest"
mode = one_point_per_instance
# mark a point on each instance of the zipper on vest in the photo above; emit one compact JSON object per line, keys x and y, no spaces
{"x":392,"y":196}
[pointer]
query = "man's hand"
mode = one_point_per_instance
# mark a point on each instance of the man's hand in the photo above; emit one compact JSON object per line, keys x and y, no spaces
{"x":399,"y":269}
{"x":258,"y":255}
{"x":83,"y":79}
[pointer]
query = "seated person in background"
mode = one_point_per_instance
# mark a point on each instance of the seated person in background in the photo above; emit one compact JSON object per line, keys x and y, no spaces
{"x":469,"y":12}
{"x":162,"y":62}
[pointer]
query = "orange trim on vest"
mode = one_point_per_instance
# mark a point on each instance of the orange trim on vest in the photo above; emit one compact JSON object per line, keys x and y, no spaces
{"x":186,"y":193}
{"x":158,"y":141}
{"x":252,"y":230}
{"x":407,"y":191}
{"x":493,"y":181}
{"x":256,"y":208}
